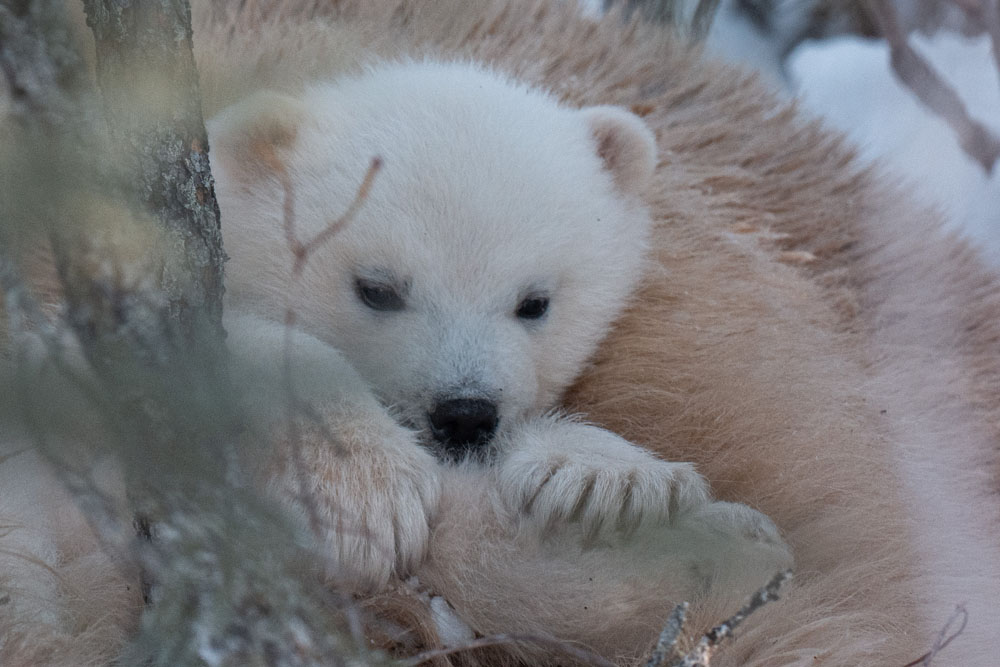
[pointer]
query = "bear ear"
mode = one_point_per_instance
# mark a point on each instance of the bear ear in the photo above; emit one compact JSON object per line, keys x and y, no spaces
{"x":625,"y":144}
{"x":252,"y":137}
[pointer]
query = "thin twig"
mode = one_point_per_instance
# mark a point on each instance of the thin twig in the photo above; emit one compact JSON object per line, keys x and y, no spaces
{"x":666,"y":645}
{"x":976,"y":139}
{"x":707,"y":645}
{"x":359,"y":198}
{"x":294,"y":434}
{"x":302,"y":251}
{"x":570,"y":650}
{"x":701,"y":22}
{"x":943,"y":639}
{"x":701,"y":654}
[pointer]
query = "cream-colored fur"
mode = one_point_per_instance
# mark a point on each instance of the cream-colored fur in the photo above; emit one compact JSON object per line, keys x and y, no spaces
{"x":374,"y":489}
{"x":805,"y":337}
{"x":801,"y":338}
{"x":489,"y":191}
{"x":63,"y":600}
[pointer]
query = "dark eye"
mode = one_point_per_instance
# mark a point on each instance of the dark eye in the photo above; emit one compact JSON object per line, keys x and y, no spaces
{"x":533,"y":307}
{"x":379,"y":296}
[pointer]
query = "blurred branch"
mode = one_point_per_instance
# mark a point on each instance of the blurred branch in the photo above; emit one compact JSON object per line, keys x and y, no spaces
{"x":130,"y":204}
{"x":704,"y":14}
{"x":984,"y":16}
{"x":673,"y":13}
{"x":41,"y":71}
{"x":976,"y":140}
{"x":302,"y":251}
{"x":580,"y":655}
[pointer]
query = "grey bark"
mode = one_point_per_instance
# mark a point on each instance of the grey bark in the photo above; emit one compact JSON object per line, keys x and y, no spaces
{"x":149,"y":83}
{"x":129,"y":201}
{"x":41,"y":71}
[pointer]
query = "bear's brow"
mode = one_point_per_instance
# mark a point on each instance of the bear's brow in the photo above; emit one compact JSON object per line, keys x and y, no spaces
{"x":382,"y":276}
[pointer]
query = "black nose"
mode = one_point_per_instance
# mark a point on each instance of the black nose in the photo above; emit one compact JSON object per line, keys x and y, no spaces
{"x":462,"y":423}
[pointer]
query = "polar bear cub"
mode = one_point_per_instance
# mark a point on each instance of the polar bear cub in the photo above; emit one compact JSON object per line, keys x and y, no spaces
{"x":499,"y":240}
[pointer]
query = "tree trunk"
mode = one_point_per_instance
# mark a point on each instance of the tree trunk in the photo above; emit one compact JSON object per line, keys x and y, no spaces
{"x":129,"y":200}
{"x":148,"y":80}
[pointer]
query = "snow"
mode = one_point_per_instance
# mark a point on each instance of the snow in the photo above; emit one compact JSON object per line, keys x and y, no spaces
{"x":848,"y":81}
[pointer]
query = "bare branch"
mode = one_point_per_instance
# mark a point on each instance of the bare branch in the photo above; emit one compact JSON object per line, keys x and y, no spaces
{"x":943,"y":638}
{"x":302,"y":251}
{"x":582,"y":655}
{"x":667,"y":652}
{"x":702,"y":653}
{"x":666,"y":645}
{"x":701,"y":22}
{"x":976,"y":139}
{"x":984,"y":16}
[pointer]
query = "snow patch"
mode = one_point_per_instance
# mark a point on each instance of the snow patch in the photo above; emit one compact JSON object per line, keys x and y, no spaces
{"x":849,"y":82}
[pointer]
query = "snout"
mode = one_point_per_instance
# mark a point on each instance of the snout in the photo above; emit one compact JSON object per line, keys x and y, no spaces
{"x":463,"y":425}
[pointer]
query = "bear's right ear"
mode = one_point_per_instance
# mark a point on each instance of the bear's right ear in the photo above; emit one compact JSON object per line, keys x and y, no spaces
{"x":251,"y":138}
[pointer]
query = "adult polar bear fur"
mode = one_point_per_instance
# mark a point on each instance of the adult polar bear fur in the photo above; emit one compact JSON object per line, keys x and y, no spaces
{"x":503,"y":235}
{"x":798,"y":337}
{"x":806,"y":336}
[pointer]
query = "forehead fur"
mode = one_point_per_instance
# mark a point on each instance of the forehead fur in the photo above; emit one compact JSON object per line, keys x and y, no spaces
{"x":480,"y":175}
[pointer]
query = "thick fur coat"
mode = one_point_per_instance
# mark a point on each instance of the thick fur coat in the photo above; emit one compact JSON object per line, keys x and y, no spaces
{"x":805,"y":336}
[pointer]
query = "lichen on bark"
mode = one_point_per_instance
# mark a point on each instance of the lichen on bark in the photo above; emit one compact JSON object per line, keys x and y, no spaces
{"x":123,"y":188}
{"x":149,"y":83}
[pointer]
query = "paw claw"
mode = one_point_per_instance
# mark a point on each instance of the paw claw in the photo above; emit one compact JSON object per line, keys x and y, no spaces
{"x":563,"y":472}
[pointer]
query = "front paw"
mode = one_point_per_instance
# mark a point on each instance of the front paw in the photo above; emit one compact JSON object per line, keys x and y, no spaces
{"x":554,"y":471}
{"x":735,"y":549}
{"x":740,"y":522}
{"x":369,"y":497}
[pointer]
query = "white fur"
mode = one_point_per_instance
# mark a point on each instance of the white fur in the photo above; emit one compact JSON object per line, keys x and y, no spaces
{"x":556,"y":470}
{"x":489,"y":191}
{"x":373,"y":488}
{"x":481,"y":201}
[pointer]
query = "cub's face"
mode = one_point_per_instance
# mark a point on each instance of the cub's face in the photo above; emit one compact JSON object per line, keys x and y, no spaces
{"x":498,"y":241}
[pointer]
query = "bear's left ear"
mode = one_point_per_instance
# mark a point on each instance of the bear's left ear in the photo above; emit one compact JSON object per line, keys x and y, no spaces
{"x":625,"y":144}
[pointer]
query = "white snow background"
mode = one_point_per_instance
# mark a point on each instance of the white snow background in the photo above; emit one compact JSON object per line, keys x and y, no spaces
{"x":849,"y":83}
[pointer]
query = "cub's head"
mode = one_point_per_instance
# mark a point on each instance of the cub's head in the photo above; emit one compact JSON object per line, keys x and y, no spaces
{"x":501,"y":237}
